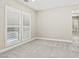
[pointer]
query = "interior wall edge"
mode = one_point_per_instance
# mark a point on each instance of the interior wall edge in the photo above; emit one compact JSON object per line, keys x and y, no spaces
{"x":52,"y":39}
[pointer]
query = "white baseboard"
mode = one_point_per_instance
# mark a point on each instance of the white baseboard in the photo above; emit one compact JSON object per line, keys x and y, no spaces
{"x":14,"y":46}
{"x":61,"y":40}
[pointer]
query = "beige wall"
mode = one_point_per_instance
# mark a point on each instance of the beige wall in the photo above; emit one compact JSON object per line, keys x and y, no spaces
{"x":2,"y":24}
{"x":56,"y":23}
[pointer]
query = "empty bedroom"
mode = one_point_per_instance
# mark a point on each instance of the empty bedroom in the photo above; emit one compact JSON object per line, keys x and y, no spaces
{"x":39,"y":28}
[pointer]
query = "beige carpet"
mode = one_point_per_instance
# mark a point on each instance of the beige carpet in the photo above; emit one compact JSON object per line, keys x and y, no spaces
{"x":43,"y":49}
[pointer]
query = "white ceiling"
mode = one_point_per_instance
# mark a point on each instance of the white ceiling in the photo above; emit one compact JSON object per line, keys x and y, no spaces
{"x":45,"y":4}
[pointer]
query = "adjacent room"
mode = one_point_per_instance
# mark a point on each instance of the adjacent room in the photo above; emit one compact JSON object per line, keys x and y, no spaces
{"x":39,"y":28}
